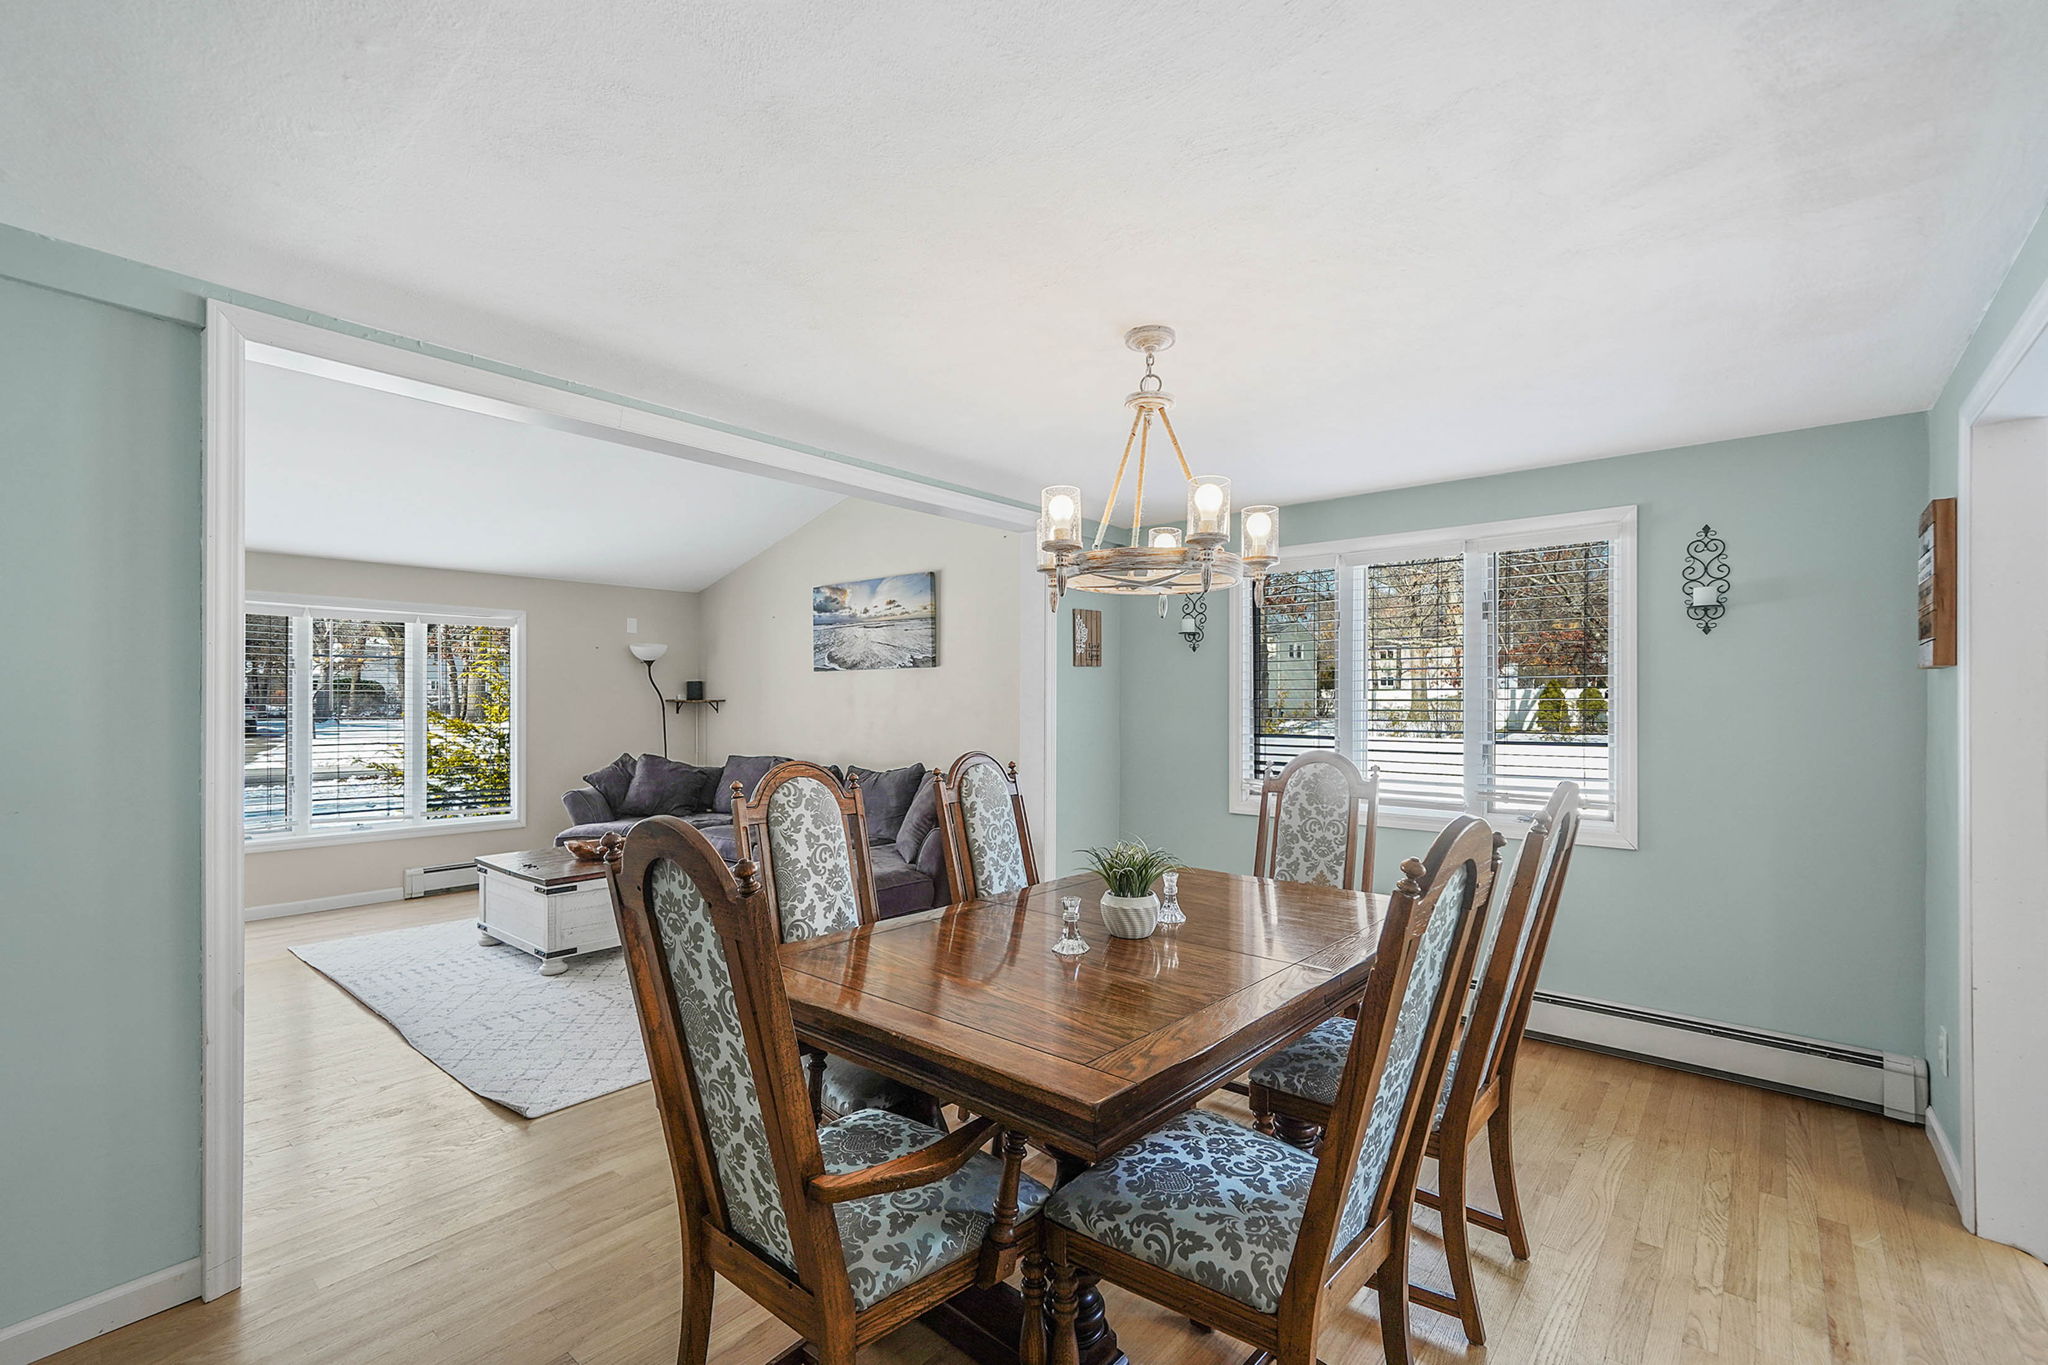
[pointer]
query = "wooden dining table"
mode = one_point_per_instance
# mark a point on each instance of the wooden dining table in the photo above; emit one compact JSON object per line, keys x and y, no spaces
{"x":1080,"y":1054}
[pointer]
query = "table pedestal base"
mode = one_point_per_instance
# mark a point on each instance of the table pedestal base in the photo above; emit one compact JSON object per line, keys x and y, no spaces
{"x":983,"y":1323}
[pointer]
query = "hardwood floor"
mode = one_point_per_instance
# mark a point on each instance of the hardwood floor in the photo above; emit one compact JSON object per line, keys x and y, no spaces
{"x":394,"y":1217}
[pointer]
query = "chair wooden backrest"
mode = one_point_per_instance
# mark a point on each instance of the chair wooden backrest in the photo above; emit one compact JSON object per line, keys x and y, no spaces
{"x":1373,"y":1146}
{"x":809,"y":836}
{"x":987,"y":839}
{"x":1512,"y":954}
{"x":756,"y":1201}
{"x":1309,"y":822}
{"x":700,"y":948}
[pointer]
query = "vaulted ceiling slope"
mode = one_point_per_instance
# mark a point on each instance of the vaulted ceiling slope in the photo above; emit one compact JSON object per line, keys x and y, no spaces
{"x":344,"y":471}
{"x":1402,"y":241}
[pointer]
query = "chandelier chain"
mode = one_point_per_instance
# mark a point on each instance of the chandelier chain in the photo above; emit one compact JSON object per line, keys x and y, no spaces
{"x":1116,"y":485}
{"x":1138,"y":501}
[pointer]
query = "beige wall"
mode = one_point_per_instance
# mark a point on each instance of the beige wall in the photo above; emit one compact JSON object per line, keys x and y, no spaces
{"x":586,"y":700}
{"x":757,"y":629}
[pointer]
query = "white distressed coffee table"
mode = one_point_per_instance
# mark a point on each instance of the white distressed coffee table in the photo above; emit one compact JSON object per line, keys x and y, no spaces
{"x":547,"y":902}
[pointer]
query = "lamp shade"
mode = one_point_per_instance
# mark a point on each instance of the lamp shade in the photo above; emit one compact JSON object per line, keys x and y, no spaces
{"x":647,"y":654}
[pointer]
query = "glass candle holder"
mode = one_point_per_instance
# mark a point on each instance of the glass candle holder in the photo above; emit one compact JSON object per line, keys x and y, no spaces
{"x":1070,"y":944}
{"x":1169,"y":900}
{"x":1163,"y":538}
{"x":1060,"y":506}
{"x":1208,"y":506}
{"x":1261,"y":533}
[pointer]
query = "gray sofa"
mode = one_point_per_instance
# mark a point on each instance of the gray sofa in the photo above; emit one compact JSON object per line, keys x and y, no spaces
{"x":904,"y":848}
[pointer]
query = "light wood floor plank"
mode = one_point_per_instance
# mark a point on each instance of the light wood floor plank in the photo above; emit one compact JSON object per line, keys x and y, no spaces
{"x":396,"y":1219}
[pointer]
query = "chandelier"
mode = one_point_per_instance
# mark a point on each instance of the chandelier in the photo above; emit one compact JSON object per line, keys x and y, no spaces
{"x":1162,"y":560}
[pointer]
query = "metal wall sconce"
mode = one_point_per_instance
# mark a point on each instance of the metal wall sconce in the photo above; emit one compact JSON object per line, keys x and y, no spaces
{"x":1706,"y":579}
{"x":1194,"y":620}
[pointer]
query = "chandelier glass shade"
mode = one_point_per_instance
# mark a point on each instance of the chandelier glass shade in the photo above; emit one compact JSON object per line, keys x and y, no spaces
{"x":1165,"y":560}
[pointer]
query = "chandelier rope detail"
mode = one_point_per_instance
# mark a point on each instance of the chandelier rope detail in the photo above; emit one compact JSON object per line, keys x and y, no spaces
{"x":1165,"y":559}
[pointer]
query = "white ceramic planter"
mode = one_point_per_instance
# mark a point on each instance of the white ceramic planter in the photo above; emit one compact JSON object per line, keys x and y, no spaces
{"x":1130,"y":916}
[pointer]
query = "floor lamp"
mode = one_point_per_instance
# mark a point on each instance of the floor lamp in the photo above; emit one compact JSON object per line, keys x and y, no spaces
{"x":647,"y":654}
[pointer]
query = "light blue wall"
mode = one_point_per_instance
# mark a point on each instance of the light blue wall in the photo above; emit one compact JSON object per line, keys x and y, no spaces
{"x":1779,"y":876}
{"x":1090,"y":739}
{"x":1944,"y":711}
{"x":99,"y":809}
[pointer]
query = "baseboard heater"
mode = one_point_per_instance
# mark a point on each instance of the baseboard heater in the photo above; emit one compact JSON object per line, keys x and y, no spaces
{"x":430,"y":881}
{"x":1879,"y":1082}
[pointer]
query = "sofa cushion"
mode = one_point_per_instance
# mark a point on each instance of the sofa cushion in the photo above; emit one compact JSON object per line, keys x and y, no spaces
{"x":745,"y":769}
{"x":900,"y":887}
{"x":662,"y":786}
{"x":920,"y":818}
{"x":596,"y":830}
{"x":887,"y":795}
{"x":613,"y":780}
{"x":722,"y":838}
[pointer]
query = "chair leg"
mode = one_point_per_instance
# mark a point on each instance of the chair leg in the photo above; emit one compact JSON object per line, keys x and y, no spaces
{"x":1066,"y":1306}
{"x":1031,"y":1329}
{"x":1500,"y":1145}
{"x":700,"y":1283}
{"x":1452,"y":1199}
{"x":815,"y":1068}
{"x":1392,"y":1281}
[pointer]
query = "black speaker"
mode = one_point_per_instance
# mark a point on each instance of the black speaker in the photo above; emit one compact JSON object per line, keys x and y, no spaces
{"x":693,"y":691}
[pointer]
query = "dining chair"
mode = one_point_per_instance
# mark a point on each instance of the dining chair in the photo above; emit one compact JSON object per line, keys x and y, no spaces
{"x":846,"y":1231}
{"x":987,"y":839}
{"x":1309,"y":823}
{"x":1300,"y":1082}
{"x":1251,"y":1236}
{"x":816,"y":877}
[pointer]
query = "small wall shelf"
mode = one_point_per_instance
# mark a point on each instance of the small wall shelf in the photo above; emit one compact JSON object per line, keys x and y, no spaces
{"x":680,"y":702}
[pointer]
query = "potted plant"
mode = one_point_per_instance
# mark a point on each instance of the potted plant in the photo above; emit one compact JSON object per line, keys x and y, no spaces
{"x":1128,"y":869}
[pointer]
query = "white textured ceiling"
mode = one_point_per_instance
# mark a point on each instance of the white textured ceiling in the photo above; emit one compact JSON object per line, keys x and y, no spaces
{"x":347,"y":472}
{"x":1402,"y":241}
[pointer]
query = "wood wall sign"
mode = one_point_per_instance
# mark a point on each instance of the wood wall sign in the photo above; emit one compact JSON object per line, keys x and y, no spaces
{"x":1938,"y":584}
{"x":1087,"y":637}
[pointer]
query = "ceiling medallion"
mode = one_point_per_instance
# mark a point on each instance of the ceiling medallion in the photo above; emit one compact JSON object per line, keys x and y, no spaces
{"x":1163,"y":560}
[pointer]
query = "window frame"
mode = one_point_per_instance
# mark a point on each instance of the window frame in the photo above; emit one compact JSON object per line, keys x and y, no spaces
{"x":302,"y":608}
{"x":1616,"y":525}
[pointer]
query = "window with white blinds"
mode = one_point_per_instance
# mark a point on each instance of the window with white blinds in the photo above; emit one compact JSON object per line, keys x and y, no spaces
{"x":1474,"y":667}
{"x":366,"y":719}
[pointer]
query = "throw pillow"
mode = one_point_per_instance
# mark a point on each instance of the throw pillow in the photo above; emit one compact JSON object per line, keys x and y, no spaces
{"x":919,"y":820}
{"x":887,"y":795}
{"x":612,"y":781}
{"x":745,"y":769}
{"x":662,"y":786}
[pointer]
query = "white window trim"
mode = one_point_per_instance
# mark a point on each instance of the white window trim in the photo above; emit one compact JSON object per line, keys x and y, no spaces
{"x":302,"y":607}
{"x":1614,"y":524}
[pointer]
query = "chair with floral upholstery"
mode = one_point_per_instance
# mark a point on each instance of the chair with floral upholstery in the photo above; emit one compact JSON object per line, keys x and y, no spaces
{"x":1309,"y":822}
{"x":988,"y":842}
{"x":813,"y":833}
{"x":844,"y":1232}
{"x":1248,"y":1235}
{"x":1298,"y":1083}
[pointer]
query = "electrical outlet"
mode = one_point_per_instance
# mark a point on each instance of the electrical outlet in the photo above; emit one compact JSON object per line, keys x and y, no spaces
{"x":632,"y":625}
{"x":1941,"y":1049}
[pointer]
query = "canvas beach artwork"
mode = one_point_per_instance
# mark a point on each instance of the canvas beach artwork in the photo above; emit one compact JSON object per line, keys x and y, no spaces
{"x":875,"y":623}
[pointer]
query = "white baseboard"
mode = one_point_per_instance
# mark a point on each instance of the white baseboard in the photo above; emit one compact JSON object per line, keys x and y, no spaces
{"x":1881,"y":1082}
{"x":341,"y":902}
{"x":62,"y":1328}
{"x":1951,"y":1169}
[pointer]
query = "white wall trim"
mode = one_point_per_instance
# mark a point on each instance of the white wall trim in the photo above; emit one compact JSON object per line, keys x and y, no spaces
{"x":1945,"y":1156}
{"x":62,"y":1328}
{"x":1882,"y":1082}
{"x":237,"y":336}
{"x":221,"y":784}
{"x":347,"y":900}
{"x":2031,"y":326}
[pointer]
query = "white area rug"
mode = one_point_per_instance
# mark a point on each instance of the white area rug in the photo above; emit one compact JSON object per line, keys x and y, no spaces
{"x":487,"y":1017}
